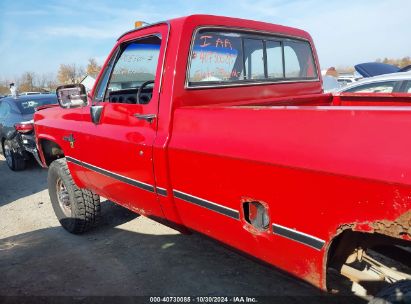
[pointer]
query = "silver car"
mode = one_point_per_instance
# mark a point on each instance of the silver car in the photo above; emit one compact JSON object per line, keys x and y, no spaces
{"x":387,"y":83}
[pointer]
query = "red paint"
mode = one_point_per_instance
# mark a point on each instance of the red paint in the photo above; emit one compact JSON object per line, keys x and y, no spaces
{"x":316,"y":164}
{"x":369,"y":99}
{"x":364,"y":227}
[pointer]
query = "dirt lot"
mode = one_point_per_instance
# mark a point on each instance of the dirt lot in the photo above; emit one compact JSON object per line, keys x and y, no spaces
{"x":127,"y":255}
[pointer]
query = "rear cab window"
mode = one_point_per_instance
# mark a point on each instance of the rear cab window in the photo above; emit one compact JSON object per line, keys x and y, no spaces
{"x":224,"y":57}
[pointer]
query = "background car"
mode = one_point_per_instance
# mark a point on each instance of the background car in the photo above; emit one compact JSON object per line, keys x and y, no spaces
{"x":371,"y":69}
{"x":30,"y":93}
{"x":16,"y":127}
{"x":406,"y":68}
{"x":399,"y":82}
{"x":345,"y":79}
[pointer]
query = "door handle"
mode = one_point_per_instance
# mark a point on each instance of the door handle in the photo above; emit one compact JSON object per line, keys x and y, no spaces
{"x":147,"y":117}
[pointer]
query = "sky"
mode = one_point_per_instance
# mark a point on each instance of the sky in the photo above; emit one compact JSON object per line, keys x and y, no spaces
{"x":39,"y":35}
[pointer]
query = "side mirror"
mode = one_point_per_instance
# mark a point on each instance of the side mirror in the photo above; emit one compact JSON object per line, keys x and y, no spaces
{"x":72,"y":96}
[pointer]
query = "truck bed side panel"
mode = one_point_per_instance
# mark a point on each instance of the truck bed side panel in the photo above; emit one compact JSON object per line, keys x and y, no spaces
{"x":317,"y":169}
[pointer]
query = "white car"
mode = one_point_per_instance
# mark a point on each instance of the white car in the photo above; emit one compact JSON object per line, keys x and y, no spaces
{"x":387,"y":83}
{"x":348,"y":79}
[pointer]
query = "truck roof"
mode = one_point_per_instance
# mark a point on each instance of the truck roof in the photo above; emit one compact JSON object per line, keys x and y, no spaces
{"x":213,"y":20}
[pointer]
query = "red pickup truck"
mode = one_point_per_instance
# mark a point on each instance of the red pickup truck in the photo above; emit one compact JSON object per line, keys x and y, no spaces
{"x":220,"y":125}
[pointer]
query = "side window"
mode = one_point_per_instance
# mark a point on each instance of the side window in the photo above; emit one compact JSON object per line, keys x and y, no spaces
{"x":136,"y":65}
{"x":379,"y":87}
{"x":408,"y":87}
{"x":220,"y":57}
{"x":101,"y":87}
{"x":4,"y":109}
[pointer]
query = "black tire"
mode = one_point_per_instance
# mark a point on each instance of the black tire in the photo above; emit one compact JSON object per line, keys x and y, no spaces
{"x":14,"y":160}
{"x":77,"y":209}
{"x":398,"y":293}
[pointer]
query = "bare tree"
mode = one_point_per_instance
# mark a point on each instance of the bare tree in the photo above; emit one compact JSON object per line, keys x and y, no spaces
{"x":41,"y":81}
{"x":5,"y":86}
{"x":93,"y":68}
{"x":81,"y":72}
{"x":66,"y":73}
{"x":52,"y":84}
{"x":45,"y":82}
{"x":69,"y":73}
{"x":399,"y":62}
{"x":27,"y":81}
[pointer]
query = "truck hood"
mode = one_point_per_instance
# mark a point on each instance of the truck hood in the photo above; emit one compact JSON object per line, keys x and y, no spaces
{"x":371,"y":69}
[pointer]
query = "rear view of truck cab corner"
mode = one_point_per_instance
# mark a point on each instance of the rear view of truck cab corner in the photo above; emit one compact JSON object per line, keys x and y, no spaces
{"x":219,"y":125}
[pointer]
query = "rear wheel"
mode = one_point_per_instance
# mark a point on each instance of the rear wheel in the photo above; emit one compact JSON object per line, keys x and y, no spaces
{"x":399,"y":292}
{"x":14,"y":160}
{"x":77,"y":209}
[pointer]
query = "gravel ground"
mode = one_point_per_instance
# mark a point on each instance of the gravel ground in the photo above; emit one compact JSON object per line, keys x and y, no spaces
{"x":128,"y":255}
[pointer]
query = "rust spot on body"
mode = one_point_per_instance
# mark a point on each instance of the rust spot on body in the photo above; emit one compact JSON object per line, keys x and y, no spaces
{"x":138,"y":210}
{"x":313,"y":275}
{"x":398,"y":228}
{"x":344,"y":227}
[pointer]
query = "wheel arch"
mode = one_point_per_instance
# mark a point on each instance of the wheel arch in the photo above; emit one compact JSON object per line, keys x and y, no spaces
{"x":344,"y":243}
{"x":49,"y":151}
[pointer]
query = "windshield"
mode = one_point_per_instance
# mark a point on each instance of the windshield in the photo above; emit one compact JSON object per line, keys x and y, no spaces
{"x":27,"y":106}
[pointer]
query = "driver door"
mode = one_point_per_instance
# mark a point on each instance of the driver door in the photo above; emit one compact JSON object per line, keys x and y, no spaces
{"x":119,"y":157}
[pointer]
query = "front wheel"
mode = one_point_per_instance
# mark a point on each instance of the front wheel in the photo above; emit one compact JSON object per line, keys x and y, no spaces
{"x":77,"y":209}
{"x":14,"y":160}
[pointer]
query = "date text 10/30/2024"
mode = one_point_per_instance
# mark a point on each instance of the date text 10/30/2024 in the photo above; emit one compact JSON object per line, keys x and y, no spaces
{"x":200,"y":299}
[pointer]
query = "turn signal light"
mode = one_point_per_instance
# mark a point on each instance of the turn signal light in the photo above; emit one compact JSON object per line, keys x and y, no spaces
{"x":139,"y":23}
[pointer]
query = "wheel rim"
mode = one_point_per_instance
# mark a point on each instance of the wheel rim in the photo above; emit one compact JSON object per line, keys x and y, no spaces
{"x":7,"y":155}
{"x":63,"y":197}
